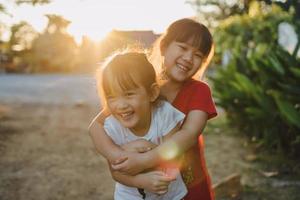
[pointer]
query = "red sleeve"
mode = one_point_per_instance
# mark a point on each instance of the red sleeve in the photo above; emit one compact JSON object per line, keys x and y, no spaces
{"x":201,"y":99}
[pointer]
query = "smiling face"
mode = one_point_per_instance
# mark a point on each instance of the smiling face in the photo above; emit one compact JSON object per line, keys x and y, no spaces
{"x":181,"y":60}
{"x":184,"y":48}
{"x":129,"y":88}
{"x":132,"y":108}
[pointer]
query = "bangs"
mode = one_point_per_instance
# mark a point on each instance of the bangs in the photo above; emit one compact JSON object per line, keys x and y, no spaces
{"x":189,"y":35}
{"x":191,"y":32}
{"x":195,"y":39}
{"x":115,"y":82}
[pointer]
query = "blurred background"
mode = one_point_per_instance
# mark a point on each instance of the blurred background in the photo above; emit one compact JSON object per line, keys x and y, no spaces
{"x":50,"y":49}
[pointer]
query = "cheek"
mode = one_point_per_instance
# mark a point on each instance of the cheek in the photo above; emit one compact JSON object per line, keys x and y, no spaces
{"x":169,"y":58}
{"x":197,"y":64}
{"x":110,"y":105}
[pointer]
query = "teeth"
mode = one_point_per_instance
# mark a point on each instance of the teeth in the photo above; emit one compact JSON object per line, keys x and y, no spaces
{"x":182,"y":67}
{"x":126,"y":114}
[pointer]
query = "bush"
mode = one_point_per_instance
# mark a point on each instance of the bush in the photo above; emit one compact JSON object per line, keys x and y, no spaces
{"x":260,"y":87}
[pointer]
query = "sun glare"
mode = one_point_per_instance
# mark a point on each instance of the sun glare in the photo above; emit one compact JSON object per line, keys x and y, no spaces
{"x":95,"y":19}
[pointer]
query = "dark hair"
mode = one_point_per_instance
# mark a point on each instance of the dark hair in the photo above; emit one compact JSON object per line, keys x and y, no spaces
{"x":184,"y":29}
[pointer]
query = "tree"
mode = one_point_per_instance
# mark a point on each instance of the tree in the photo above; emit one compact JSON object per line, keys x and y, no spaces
{"x":22,"y":35}
{"x":33,"y":2}
{"x":54,"y":50}
{"x":57,"y":23}
{"x":87,"y":56}
{"x":211,"y":11}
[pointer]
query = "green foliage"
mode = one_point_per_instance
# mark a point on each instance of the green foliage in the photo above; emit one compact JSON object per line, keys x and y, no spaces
{"x":260,"y":86}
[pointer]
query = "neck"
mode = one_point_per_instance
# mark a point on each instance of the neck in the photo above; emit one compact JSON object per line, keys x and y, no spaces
{"x":172,"y":85}
{"x":169,"y":89}
{"x":140,"y":131}
{"x":143,"y":128}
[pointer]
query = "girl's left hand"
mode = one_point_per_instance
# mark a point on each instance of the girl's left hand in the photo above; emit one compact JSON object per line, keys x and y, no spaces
{"x":131,"y":163}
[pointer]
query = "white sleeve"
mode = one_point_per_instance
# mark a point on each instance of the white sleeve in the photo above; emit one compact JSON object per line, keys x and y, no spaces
{"x":168,"y":118}
{"x":111,"y":129}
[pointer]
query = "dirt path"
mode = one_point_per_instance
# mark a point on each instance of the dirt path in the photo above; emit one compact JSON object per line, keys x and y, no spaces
{"x":46,"y":154}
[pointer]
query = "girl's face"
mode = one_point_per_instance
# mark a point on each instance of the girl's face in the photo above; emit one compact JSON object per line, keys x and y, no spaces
{"x":181,"y":60}
{"x":132,"y":108}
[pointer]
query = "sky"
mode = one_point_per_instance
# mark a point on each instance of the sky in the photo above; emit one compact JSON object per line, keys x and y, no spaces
{"x":95,"y":18}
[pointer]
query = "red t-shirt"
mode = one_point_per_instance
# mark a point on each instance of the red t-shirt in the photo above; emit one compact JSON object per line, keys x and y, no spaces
{"x":196,"y":95}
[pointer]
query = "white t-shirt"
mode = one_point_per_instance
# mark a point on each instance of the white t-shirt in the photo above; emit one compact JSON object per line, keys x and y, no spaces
{"x":164,"y":118}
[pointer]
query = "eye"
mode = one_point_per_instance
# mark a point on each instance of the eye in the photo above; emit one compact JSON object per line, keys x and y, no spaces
{"x":129,"y":94}
{"x":182,"y":47}
{"x":198,"y":55}
{"x":110,"y":97}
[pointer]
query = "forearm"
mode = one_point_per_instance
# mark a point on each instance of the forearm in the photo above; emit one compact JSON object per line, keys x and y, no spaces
{"x":171,"y":149}
{"x":128,"y":180}
{"x":102,"y":142}
{"x":179,"y":142}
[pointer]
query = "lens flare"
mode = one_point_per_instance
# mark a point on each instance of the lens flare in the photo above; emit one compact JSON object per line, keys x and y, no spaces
{"x":169,"y":151}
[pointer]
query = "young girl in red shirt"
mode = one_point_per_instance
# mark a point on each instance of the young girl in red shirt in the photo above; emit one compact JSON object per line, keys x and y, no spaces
{"x":180,"y":54}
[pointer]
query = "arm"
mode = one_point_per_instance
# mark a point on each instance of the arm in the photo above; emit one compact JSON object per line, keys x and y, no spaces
{"x":139,"y":146}
{"x":102,"y":142}
{"x":183,"y":139}
{"x":153,"y":181}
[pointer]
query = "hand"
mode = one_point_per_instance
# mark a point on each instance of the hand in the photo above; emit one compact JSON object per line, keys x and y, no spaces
{"x":130,"y":163}
{"x":139,"y":146}
{"x":155,"y":181}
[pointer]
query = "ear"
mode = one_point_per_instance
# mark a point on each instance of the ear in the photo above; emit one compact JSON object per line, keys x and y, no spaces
{"x":154,"y":92}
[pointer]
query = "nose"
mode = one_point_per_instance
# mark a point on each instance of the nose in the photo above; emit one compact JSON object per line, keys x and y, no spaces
{"x":188,"y":56}
{"x":121,"y":104}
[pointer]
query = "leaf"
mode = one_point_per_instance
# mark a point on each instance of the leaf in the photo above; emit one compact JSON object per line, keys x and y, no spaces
{"x":289,"y":88}
{"x":245,"y":83}
{"x":295,"y":71}
{"x":255,"y":112}
{"x":274,"y":63}
{"x":287,"y":110}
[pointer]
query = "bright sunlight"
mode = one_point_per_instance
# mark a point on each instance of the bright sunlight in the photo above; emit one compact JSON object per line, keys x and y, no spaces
{"x":95,"y":18}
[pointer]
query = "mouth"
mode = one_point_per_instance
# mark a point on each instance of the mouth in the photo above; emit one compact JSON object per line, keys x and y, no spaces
{"x":126,"y":115}
{"x":183,"y":68}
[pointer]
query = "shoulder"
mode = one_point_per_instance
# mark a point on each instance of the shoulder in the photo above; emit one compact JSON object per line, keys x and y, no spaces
{"x":164,"y":108}
{"x":166,"y":117}
{"x":165,"y":112}
{"x":198,"y":84}
{"x":110,"y":120}
{"x":111,"y":124}
{"x":196,"y":87}
{"x":114,"y":129}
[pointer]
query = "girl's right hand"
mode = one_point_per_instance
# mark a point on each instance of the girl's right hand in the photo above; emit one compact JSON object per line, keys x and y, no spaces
{"x":155,"y":181}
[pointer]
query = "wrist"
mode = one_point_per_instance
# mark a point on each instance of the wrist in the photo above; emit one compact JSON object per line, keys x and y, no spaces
{"x":150,"y":159}
{"x":138,"y":181}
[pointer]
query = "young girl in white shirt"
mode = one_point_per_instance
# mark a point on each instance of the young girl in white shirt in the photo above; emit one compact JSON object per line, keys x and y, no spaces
{"x":127,"y":85}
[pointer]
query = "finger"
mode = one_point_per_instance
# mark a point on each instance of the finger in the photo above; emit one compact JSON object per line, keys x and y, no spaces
{"x":118,"y":167}
{"x":159,"y":173}
{"x":166,"y":178}
{"x":119,"y":160}
{"x":143,"y":149}
{"x":162,"y":186}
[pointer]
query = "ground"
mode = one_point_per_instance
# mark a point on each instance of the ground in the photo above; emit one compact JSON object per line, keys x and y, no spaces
{"x":46,"y":153}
